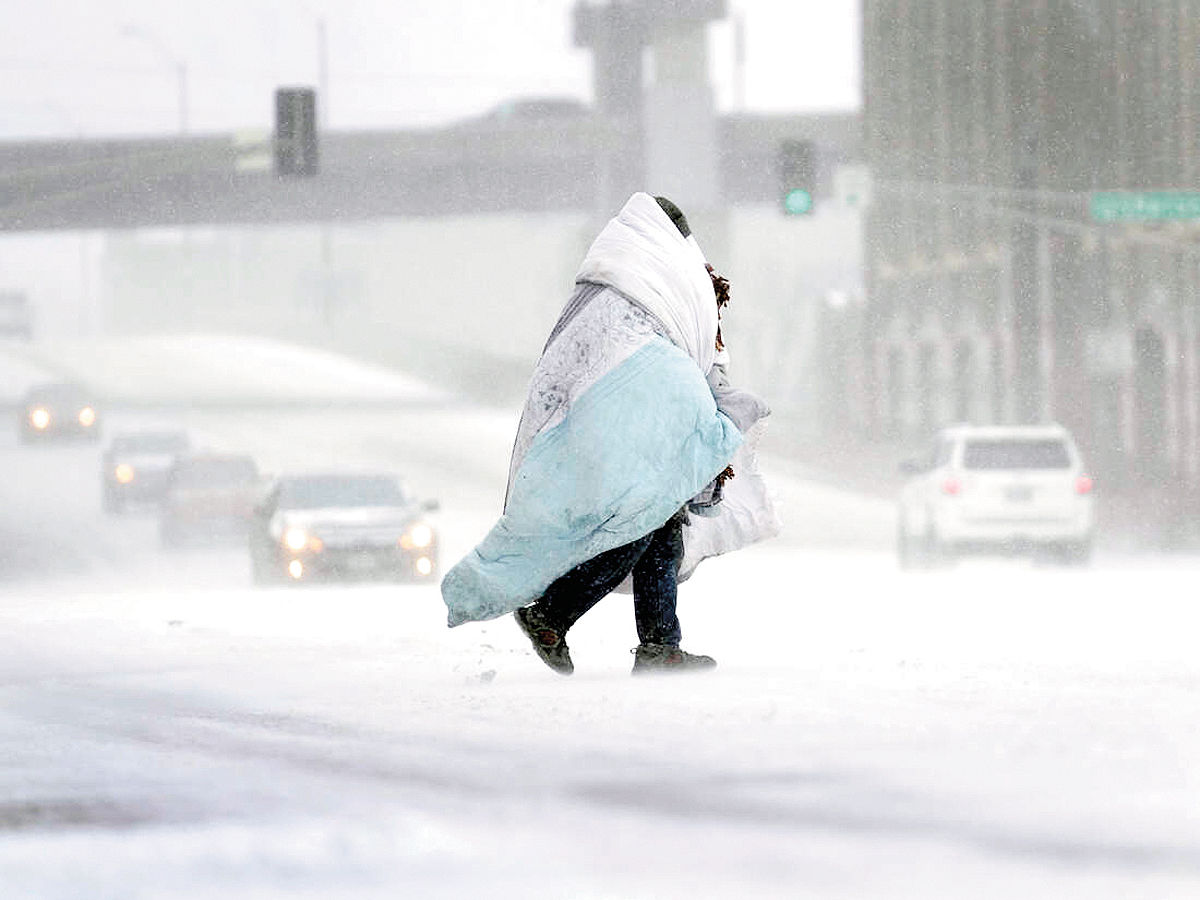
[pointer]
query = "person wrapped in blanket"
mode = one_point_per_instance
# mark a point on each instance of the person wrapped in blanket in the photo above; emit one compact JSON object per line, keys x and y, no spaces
{"x":635,"y":457}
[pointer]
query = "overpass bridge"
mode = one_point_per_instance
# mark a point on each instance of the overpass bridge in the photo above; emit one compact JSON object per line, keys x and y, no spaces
{"x":661,"y":134}
{"x":491,"y":164}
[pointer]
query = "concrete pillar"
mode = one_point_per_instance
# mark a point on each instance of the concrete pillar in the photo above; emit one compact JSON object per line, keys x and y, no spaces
{"x":663,"y":136}
{"x":679,"y":120}
{"x":613,"y":34}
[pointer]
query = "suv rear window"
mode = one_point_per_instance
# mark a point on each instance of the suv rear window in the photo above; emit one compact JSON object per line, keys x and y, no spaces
{"x":1016,"y":454}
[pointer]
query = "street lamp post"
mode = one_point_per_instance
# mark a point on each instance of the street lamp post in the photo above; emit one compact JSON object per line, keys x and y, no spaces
{"x":178,"y":65}
{"x":322,"y":64}
{"x":322,"y":74}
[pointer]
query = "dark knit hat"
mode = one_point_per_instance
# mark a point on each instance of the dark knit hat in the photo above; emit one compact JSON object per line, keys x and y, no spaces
{"x":676,"y":215}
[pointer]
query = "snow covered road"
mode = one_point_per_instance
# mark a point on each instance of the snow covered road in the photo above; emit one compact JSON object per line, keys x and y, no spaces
{"x":990,"y":731}
{"x":342,"y":742}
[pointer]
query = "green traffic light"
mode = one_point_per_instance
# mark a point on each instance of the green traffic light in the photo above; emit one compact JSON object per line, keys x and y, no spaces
{"x":797,"y":202}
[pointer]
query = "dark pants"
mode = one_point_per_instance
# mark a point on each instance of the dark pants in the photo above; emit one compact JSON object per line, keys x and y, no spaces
{"x":653,"y":560}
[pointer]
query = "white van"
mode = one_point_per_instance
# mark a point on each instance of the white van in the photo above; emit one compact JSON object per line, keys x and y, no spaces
{"x":997,"y":489}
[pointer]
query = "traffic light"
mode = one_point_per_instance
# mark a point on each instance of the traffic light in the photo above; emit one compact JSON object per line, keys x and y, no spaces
{"x":295,"y":131}
{"x":797,"y":176}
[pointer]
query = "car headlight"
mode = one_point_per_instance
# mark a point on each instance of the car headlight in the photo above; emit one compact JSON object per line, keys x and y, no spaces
{"x":420,"y":535}
{"x":295,"y":538}
{"x":124,"y":473}
{"x":87,"y":417}
{"x":39,"y":417}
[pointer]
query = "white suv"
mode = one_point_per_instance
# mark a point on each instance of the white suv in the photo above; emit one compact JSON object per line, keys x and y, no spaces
{"x":1017,"y":489}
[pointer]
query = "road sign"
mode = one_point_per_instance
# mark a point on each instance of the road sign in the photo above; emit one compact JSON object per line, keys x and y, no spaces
{"x":1145,"y":206}
{"x":252,"y":150}
{"x":852,"y":185}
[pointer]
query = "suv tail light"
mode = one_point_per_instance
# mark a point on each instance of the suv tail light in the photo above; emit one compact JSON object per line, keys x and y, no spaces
{"x":1084,"y":484}
{"x":952,"y":487}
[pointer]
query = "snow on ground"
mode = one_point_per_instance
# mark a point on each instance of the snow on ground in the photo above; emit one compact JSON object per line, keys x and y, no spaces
{"x":212,"y":368}
{"x":994,"y":730}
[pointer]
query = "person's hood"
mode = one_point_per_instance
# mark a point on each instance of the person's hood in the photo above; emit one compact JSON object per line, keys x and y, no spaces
{"x":641,"y":253}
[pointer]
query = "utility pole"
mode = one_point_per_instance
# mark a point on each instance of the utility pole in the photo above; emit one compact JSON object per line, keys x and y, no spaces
{"x":322,"y":64}
{"x":322,"y":74}
{"x":739,"y":63}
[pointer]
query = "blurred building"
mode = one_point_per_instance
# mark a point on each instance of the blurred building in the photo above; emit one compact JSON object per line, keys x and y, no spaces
{"x":1004,"y":282}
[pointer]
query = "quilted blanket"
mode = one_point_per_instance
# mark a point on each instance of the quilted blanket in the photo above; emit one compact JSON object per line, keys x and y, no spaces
{"x":620,"y":427}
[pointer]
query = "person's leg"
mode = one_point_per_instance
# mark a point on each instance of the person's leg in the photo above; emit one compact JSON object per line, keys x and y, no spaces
{"x":656,"y":583}
{"x":655,"y":591}
{"x":546,"y":621}
{"x":573,"y":594}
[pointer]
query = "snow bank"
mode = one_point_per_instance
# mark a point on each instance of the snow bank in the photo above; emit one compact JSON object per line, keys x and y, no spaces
{"x":210,"y":369}
{"x":18,"y":375}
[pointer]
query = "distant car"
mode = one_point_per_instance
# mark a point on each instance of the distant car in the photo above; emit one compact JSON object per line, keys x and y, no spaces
{"x":137,"y":465}
{"x":342,"y":526}
{"x":526,"y":112}
{"x":209,"y":496}
{"x":1013,"y":490}
{"x":51,"y":411}
{"x":16,"y":316}
{"x":533,"y":108}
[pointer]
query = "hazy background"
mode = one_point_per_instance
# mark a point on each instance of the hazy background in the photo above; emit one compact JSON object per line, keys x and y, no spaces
{"x":95,"y":72}
{"x":74,"y":69}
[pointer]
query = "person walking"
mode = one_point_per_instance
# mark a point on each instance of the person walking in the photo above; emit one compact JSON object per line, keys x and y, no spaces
{"x":621,"y":470}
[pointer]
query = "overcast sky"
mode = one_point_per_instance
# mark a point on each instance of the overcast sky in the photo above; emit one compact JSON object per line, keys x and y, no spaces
{"x":108,"y":67}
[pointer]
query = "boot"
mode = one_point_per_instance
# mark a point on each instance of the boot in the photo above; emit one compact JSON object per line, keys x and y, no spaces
{"x":548,"y":643}
{"x":650,"y":658}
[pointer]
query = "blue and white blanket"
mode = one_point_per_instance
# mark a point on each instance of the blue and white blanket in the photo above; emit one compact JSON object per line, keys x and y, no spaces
{"x":620,"y":427}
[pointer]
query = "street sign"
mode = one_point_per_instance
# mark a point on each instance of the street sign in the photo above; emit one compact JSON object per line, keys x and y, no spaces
{"x":252,"y":150}
{"x":1145,"y":206}
{"x":852,"y":185}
